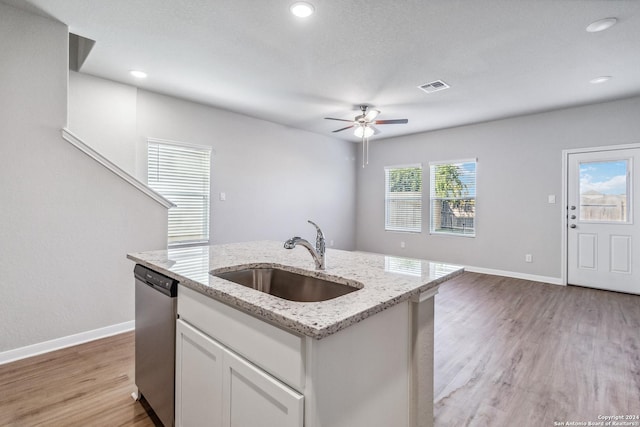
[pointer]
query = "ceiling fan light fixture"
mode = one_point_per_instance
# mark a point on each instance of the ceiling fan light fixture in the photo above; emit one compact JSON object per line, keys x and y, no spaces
{"x":363,"y":127}
{"x":302,"y":9}
{"x":363,"y":131}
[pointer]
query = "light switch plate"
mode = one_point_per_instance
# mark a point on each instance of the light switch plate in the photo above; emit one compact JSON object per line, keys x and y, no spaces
{"x":551,"y":198}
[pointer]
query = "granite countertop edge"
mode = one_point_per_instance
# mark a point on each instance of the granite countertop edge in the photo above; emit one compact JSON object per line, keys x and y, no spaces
{"x":283,"y":313}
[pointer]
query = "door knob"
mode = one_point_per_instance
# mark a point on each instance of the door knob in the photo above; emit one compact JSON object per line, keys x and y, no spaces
{"x":573,"y":208}
{"x":573,"y":226}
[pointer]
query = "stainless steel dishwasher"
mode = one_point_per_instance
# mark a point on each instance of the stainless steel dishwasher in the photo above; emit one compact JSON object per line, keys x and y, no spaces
{"x":156,"y":312}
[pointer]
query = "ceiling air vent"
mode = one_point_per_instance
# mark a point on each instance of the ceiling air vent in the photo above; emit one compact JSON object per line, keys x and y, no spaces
{"x":434,"y":86}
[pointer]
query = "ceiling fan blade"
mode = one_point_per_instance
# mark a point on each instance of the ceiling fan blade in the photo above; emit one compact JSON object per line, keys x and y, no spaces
{"x":376,"y":131}
{"x":391,"y":122}
{"x":371,"y":115}
{"x":340,"y":120}
{"x":340,"y":130}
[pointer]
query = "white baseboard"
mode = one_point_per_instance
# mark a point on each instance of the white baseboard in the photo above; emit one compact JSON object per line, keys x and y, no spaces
{"x":68,"y":341}
{"x":524,"y":276}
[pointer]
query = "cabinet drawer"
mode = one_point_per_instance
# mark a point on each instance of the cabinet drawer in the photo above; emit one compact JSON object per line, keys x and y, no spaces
{"x":273,"y":349}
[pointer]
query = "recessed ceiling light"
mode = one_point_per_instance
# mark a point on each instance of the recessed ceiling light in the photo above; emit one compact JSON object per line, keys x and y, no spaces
{"x":601,"y":25}
{"x":138,"y":74}
{"x":600,"y":79}
{"x":302,"y":9}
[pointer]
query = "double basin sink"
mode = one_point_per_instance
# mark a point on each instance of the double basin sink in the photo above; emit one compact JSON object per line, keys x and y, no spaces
{"x":288,"y":285}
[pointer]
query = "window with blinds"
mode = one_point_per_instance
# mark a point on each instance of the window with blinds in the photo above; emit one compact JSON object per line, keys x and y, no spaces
{"x":453,"y":197}
{"x":180,"y":172}
{"x":403,"y":198}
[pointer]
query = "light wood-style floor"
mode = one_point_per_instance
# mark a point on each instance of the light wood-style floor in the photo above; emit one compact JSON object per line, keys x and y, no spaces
{"x":508,"y":353}
{"x":511,"y":352}
{"x":85,"y":385}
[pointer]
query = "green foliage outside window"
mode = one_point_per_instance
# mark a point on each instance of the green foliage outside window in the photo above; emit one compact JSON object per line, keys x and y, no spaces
{"x":405,"y":179}
{"x":448,"y":183}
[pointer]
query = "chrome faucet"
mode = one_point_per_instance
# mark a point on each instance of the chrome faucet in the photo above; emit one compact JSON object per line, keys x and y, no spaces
{"x":317,"y":253}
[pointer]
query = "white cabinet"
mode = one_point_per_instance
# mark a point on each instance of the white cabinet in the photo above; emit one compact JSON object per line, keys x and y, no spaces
{"x":198,"y":378}
{"x":251,"y":397}
{"x":216,"y":387}
{"x":235,"y":370}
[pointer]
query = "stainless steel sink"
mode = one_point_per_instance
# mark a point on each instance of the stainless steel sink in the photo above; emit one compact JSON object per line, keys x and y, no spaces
{"x":287,"y":285}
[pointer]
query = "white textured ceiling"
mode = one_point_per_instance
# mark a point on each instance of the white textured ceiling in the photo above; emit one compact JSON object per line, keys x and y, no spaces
{"x":500,"y":57}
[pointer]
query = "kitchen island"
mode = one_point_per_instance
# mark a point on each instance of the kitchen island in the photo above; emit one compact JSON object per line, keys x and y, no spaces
{"x":361,"y":359}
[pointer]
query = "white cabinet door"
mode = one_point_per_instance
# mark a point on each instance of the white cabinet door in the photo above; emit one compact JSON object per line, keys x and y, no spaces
{"x":198,"y":378}
{"x":254,"y":398}
{"x":215,"y":387}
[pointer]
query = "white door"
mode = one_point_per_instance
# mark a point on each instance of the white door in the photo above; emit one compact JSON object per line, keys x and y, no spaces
{"x":198,"y":378}
{"x":603,"y":231}
{"x":251,"y":397}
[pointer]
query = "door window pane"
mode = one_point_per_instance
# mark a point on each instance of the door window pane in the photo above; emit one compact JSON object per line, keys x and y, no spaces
{"x":603,"y":191}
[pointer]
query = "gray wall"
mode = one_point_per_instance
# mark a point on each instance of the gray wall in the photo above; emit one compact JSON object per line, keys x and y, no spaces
{"x":274,"y":177}
{"x":66,"y":223}
{"x":519,"y":165}
{"x":105,"y":112}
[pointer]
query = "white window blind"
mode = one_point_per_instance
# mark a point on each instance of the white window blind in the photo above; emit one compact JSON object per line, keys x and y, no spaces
{"x":403,"y":198}
{"x":180,"y":172}
{"x":453,"y":197}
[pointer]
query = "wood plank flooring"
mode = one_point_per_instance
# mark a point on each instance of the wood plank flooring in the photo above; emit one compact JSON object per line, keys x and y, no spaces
{"x":85,"y":385}
{"x":508,"y":353}
{"x":513,"y":352}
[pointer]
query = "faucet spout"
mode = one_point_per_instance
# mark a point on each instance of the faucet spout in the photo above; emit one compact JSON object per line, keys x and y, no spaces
{"x":317,"y":253}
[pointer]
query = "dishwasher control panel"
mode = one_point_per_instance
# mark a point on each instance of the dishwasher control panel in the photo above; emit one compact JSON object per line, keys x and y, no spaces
{"x":156,"y":280}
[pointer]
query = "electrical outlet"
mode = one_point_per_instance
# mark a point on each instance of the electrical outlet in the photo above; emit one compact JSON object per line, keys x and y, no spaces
{"x":330,"y":242}
{"x":223,"y":197}
{"x":402,"y":245}
{"x":528,"y":258}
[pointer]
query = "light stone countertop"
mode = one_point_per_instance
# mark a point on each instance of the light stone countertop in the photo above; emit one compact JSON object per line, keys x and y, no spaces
{"x":386,"y":281}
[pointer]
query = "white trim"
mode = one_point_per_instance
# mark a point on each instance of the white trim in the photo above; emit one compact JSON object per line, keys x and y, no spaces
{"x":180,"y":144}
{"x":447,"y":233}
{"x":564,"y":219}
{"x":64,"y":342}
{"x":515,"y":275}
{"x":453,"y":162}
{"x":82,"y":146}
{"x":602,"y":148}
{"x":404,"y":166}
{"x":563,"y":211}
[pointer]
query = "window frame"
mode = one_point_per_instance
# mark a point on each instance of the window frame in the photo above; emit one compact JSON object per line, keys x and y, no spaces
{"x":388,"y":227}
{"x":629,"y":196}
{"x":206,"y":150}
{"x":432,"y":197}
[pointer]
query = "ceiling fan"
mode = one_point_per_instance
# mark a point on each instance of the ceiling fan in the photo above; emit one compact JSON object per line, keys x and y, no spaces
{"x":364,"y":128}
